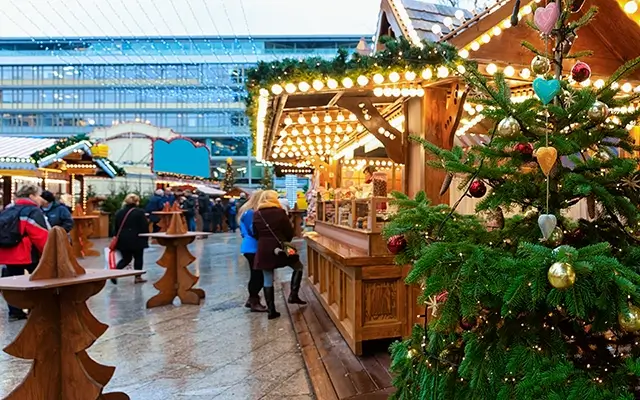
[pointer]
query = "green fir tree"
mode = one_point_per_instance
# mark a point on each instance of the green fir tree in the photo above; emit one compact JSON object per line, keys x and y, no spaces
{"x":267,"y":179}
{"x":229,"y":177}
{"x":520,"y":316}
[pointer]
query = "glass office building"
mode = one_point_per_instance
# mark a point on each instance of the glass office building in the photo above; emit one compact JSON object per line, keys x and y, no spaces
{"x":62,"y":87}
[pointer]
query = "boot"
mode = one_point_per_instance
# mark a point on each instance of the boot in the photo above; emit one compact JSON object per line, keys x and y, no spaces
{"x":296,"y":280}
{"x":271,"y":303}
{"x":255,"y":305}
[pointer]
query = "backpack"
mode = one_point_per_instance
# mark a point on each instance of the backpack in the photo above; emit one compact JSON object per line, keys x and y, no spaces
{"x":10,"y":233}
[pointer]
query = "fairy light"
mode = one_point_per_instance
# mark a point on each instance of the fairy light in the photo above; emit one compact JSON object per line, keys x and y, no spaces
{"x":406,"y":21}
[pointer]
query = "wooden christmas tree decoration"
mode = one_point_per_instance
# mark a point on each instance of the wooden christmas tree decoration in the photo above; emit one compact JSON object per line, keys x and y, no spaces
{"x":82,"y":228}
{"x":176,"y":207}
{"x":78,"y":211}
{"x":59,"y":329}
{"x":166,"y":207}
{"x":177,"y":280}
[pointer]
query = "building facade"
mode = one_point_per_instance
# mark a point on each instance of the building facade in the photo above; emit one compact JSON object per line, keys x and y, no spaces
{"x":57,"y":87}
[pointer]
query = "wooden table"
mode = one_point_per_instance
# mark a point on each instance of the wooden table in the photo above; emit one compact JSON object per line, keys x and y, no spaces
{"x":165,"y":218}
{"x":82,"y":228}
{"x":177,"y":280}
{"x":59,"y":330}
{"x":296,"y":219}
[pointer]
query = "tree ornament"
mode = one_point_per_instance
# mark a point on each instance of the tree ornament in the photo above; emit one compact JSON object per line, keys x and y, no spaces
{"x":567,"y":43}
{"x":545,"y":18}
{"x":546,"y":90}
{"x":508,"y":127}
{"x":526,"y":149}
{"x":547,"y":223}
{"x":396,"y":244}
{"x":446,"y":183}
{"x":467,"y":324}
{"x":556,"y":237}
{"x":547,"y":157}
{"x":433,"y":302}
{"x":580,"y":71}
{"x":630,"y":321}
{"x":561,"y":275}
{"x":477,"y":189}
{"x":569,"y":98}
{"x":598,"y":112}
{"x":540,"y":65}
{"x":576,"y":5}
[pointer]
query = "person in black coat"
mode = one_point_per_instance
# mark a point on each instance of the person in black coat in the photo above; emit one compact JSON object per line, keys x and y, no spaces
{"x":204,"y":208}
{"x":130,"y":223}
{"x":217,"y":212}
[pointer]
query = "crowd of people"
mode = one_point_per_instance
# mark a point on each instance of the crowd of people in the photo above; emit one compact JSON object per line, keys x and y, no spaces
{"x":215,"y":215}
{"x":263,"y":221}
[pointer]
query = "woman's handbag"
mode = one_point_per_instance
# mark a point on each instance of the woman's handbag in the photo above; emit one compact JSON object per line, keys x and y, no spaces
{"x":114,"y":241}
{"x":286,"y":251}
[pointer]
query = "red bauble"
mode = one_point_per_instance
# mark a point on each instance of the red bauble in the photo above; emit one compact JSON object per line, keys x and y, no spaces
{"x":526,"y":149}
{"x":580,"y":72}
{"x":467,"y":324}
{"x":477,"y":189}
{"x":396,"y":244}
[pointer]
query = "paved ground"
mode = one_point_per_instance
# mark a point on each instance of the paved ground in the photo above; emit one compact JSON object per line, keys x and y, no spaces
{"x":214,"y":351}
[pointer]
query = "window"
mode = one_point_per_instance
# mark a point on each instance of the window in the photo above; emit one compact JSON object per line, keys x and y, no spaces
{"x":229,"y":147}
{"x":237,"y":75}
{"x":238,"y":119}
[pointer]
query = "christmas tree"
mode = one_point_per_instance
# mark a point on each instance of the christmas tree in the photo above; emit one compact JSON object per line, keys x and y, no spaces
{"x":229,"y":176}
{"x":540,"y":306}
{"x":267,"y":180}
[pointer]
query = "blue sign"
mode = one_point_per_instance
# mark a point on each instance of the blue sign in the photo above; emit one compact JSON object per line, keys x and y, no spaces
{"x":180,"y":156}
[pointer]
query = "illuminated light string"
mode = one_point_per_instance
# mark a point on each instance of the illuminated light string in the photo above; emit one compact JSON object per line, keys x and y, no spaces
{"x":406,"y":21}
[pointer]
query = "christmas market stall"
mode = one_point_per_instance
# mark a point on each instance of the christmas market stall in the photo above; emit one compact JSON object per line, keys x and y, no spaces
{"x":346,"y":122}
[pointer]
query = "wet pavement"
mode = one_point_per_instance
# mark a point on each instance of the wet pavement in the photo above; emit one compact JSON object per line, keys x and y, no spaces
{"x":218,"y":350}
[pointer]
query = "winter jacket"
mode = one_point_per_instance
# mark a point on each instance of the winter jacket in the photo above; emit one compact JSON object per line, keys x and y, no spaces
{"x":204,"y":205}
{"x":156,"y":203}
{"x":279,"y":223}
{"x":218,"y":210}
{"x":59,"y":215}
{"x":34,"y":226}
{"x":135,"y":224}
{"x":249,"y":243}
{"x":189,"y":207}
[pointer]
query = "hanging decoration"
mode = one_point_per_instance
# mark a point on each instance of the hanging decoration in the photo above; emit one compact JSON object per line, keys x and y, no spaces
{"x":580,"y":72}
{"x":546,"y":90}
{"x":556,"y":237}
{"x":547,"y":157}
{"x":630,"y":321}
{"x":545,"y":18}
{"x":561,"y":275}
{"x":547,"y":223}
{"x":477,"y":189}
{"x":540,"y":65}
{"x":525,"y":149}
{"x":508,"y":127}
{"x":396,"y":244}
{"x":598,"y":112}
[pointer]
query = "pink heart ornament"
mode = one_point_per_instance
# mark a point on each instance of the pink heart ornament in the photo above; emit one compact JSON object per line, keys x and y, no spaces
{"x":545,"y":18}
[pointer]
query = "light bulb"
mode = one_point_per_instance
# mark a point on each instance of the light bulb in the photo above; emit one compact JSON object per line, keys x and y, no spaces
{"x":327,"y":129}
{"x":340,"y":117}
{"x":347,"y":83}
{"x":491,"y":69}
{"x":290,"y":88}
{"x":288,"y":121}
{"x":464,"y":53}
{"x":394,"y":77}
{"x":317,"y":85}
{"x":378,"y":92}
{"x":362,"y":80}
{"x":525,"y":73}
{"x":459,"y":14}
{"x":442,"y":72}
{"x":387,"y":92}
{"x":631,"y":7}
{"x":327,"y":118}
{"x":496,"y":31}
{"x":378,"y":78}
{"x":349,"y":128}
{"x":294,"y":132}
{"x":332,"y":83}
{"x":304,"y":87}
{"x":626,"y":87}
{"x":475,"y":46}
{"x":306,"y":131}
{"x":404,"y":92}
{"x":448,"y":22}
{"x":509,"y":71}
{"x":352,"y":117}
{"x":276,"y":89}
{"x":317,"y":130}
{"x":427,"y":73}
{"x":461,"y":69}
{"x":339,"y":129}
{"x":327,"y":139}
{"x":264,"y":92}
{"x":436,"y":29}
{"x":409,"y":75}
{"x":485,"y":38}
{"x":314,"y":118}
{"x":302,"y":119}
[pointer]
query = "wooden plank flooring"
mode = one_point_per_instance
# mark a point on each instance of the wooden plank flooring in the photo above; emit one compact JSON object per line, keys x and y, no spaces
{"x":335,"y":372}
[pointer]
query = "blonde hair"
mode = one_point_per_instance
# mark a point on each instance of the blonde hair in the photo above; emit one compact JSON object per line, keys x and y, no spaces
{"x":131,"y":199}
{"x":27,"y":190}
{"x":250,"y":204}
{"x":269,"y":199}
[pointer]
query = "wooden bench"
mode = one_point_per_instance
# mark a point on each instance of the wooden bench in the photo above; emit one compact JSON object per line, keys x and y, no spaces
{"x":365,"y":296}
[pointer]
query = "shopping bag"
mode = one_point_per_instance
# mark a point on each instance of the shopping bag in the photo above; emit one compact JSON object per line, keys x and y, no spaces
{"x":111,"y":258}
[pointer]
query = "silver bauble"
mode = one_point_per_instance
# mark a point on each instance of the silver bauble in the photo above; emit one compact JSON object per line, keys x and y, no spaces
{"x":508,"y":127}
{"x":556,"y":237}
{"x":598,"y":112}
{"x":540,"y":65}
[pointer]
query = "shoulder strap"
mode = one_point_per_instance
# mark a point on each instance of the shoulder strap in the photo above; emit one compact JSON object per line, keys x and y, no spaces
{"x":123,"y":221}
{"x":269,"y":228}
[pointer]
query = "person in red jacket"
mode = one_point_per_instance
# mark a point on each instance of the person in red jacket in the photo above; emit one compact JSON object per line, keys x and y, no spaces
{"x":33,"y":229}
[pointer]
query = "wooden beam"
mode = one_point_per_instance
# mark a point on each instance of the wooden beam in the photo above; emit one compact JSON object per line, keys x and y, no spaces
{"x":372,"y":120}
{"x":335,"y":99}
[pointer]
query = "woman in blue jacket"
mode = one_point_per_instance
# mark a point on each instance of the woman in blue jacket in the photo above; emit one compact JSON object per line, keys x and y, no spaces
{"x":248,"y":248}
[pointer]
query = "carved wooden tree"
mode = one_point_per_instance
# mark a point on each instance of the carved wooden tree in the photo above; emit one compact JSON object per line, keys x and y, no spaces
{"x":82,"y":229}
{"x":177,"y":279}
{"x":58,"y":331}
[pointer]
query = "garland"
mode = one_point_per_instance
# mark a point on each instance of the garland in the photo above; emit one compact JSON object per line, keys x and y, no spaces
{"x":119,"y":170}
{"x":399,"y":55}
{"x":185,"y":177}
{"x":58,"y":146}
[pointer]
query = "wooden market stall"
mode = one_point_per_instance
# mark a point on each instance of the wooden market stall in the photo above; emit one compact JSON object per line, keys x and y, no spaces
{"x":59,"y":166}
{"x":342,"y":116}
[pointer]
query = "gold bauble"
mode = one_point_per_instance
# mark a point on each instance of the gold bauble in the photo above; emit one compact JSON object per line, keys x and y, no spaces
{"x":561,"y":275}
{"x":540,"y":65}
{"x":598,"y":112}
{"x":556,"y":237}
{"x":630,"y":321}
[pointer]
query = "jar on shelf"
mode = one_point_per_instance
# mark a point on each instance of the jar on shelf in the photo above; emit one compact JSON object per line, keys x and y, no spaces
{"x":379,"y":183}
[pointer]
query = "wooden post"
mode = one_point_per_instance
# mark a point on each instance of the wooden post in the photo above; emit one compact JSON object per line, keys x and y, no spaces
{"x":7,"y":188}
{"x":82,"y":189}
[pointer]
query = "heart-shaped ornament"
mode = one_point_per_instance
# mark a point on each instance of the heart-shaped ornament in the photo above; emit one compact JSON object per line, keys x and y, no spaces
{"x":547,"y":157}
{"x":546,"y":90}
{"x":547,"y":223}
{"x":545,"y":18}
